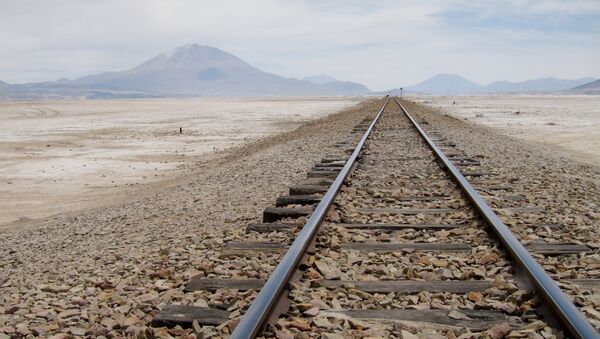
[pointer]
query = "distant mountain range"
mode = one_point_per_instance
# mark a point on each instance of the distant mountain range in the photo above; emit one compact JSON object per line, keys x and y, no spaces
{"x":195,"y":70}
{"x":452,"y":84}
{"x":445,"y":84}
{"x":191,"y":70}
{"x":320,"y":79}
{"x":591,"y":87}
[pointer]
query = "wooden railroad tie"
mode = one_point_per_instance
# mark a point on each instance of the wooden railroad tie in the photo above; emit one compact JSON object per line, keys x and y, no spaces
{"x":474,"y":319}
{"x":271,"y":227}
{"x":542,"y":248}
{"x":275,"y":213}
{"x":331,"y":164}
{"x":407,"y":211}
{"x":322,"y":174}
{"x":394,"y":227}
{"x":308,"y":199}
{"x":185,"y":315}
{"x":308,"y":189}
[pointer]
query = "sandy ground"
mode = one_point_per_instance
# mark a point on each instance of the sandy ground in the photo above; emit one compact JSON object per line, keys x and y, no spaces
{"x":568,"y":123}
{"x":59,"y":156}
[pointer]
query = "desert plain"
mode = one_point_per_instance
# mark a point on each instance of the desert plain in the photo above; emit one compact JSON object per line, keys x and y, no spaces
{"x":570,"y":124}
{"x":67,"y":155}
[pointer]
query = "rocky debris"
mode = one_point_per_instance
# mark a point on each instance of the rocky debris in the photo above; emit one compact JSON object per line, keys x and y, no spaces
{"x":390,"y":171}
{"x":106,"y":272}
{"x":567,"y":189}
{"x":499,"y":331}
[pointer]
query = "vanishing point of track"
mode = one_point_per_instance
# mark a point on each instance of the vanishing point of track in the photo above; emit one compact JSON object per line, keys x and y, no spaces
{"x":400,"y":188}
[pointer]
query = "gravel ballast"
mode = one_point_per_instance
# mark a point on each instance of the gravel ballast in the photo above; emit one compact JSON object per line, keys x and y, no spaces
{"x":106,"y":272}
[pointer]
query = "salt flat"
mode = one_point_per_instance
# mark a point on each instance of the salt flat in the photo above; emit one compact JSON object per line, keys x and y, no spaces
{"x":59,"y":156}
{"x":568,"y":123}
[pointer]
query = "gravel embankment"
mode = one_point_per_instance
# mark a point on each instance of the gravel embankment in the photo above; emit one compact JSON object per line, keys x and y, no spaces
{"x":567,"y":191}
{"x":395,"y":170}
{"x":106,"y":271}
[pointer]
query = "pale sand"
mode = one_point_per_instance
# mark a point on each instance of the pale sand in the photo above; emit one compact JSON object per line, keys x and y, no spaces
{"x":569,"y":124}
{"x":61,"y":156}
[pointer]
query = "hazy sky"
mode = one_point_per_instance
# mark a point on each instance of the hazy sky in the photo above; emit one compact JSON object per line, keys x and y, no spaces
{"x":382,"y":44}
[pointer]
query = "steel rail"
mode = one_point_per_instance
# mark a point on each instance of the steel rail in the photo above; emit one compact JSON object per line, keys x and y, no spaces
{"x":257,"y":315}
{"x":559,"y":304}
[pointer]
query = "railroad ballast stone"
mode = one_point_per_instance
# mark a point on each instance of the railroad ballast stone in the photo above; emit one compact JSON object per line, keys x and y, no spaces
{"x":478,"y":259}
{"x":165,"y":252}
{"x":129,"y":260}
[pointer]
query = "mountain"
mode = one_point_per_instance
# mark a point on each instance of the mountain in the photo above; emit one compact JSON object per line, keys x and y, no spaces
{"x":4,"y":84}
{"x":451,"y":84}
{"x":334,"y":84}
{"x":542,"y":84}
{"x":51,"y":90}
{"x":191,"y":70}
{"x":588,"y":88}
{"x":442,"y":84}
{"x":320,"y":79}
{"x":194,"y":70}
{"x":346,"y":88}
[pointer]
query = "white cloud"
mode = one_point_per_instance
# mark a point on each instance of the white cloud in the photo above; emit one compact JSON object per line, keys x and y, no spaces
{"x":382,"y":44}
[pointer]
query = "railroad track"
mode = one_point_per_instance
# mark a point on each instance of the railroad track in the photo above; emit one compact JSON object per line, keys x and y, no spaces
{"x":388,"y":238}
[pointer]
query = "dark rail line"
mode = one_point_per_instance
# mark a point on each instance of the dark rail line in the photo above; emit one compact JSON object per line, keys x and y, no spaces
{"x":256,"y":317}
